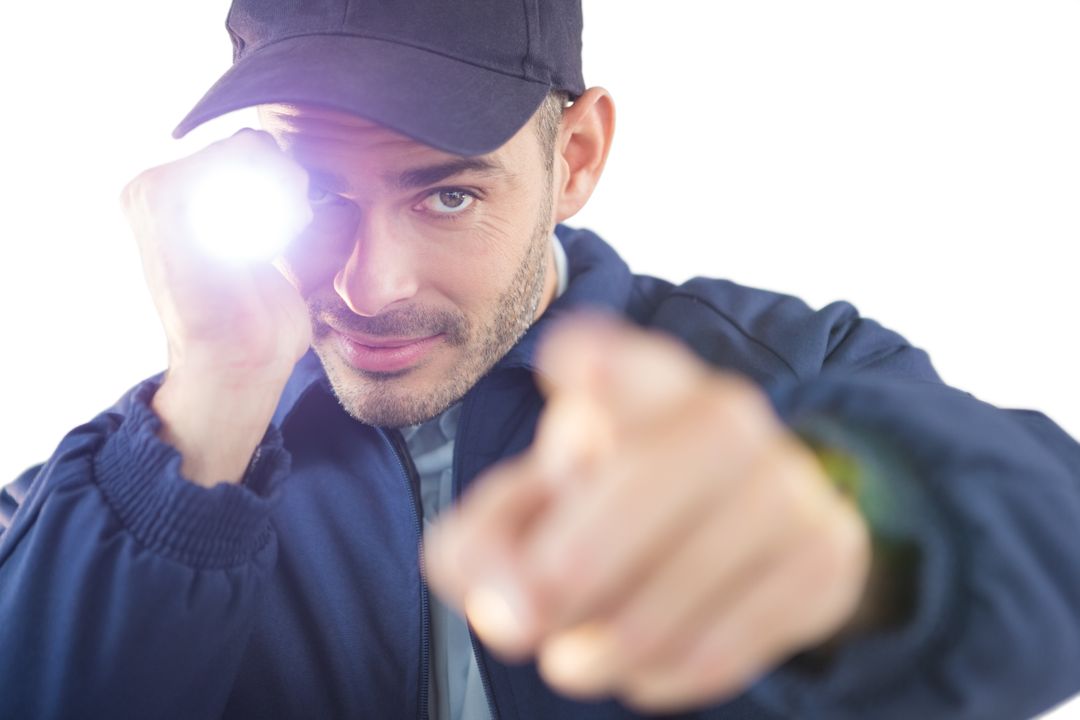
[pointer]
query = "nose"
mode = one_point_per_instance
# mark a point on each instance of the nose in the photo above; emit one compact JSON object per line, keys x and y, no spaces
{"x":380,"y":270}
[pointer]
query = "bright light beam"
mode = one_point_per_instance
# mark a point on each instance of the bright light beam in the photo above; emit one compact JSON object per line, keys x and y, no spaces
{"x":241,"y":213}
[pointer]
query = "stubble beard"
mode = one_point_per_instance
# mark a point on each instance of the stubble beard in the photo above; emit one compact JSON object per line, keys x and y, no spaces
{"x":382,"y":399}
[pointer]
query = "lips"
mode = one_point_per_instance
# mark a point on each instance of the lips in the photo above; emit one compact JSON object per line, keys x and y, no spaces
{"x":381,"y":342}
{"x":384,"y":354}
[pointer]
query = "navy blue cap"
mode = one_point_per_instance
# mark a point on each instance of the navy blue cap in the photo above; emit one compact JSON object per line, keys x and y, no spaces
{"x":460,"y":75}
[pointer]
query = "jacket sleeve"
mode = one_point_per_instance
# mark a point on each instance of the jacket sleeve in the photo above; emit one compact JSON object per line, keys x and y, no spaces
{"x":125,"y":590}
{"x":988,"y":501}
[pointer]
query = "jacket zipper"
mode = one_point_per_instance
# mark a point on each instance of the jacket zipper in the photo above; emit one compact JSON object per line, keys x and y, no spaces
{"x":412,"y":484}
{"x":456,"y":464}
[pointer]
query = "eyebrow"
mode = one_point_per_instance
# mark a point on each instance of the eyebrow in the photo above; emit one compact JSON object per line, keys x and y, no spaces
{"x":418,"y":176}
{"x":431,"y":174}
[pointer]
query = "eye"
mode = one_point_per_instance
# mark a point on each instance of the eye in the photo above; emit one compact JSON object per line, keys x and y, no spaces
{"x":318,"y":197}
{"x":447,"y":202}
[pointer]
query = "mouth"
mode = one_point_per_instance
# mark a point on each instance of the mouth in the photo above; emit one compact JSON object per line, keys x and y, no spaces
{"x":384,"y":354}
{"x":380,"y":341}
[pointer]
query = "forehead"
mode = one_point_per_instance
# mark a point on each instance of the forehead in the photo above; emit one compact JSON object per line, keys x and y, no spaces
{"x":310,"y":122}
{"x":309,"y":125}
{"x":317,"y":137}
{"x":341,"y":142}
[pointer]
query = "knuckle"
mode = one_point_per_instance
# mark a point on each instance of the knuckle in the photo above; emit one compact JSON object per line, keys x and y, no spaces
{"x":250,"y":137}
{"x":744,"y":392}
{"x":798,"y":498}
{"x":851,"y":539}
{"x":126,"y":196}
{"x":778,"y":492}
{"x":135,"y":192}
{"x":737,"y":405}
{"x":245,"y":145}
{"x":839,"y":546}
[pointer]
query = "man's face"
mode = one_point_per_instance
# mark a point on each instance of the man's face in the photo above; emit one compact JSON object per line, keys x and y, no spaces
{"x":421,"y":269}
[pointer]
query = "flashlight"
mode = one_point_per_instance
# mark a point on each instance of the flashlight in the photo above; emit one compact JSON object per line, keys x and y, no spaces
{"x":245,"y":212}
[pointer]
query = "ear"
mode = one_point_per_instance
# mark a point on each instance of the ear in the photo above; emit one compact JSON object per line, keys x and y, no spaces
{"x":582,"y":149}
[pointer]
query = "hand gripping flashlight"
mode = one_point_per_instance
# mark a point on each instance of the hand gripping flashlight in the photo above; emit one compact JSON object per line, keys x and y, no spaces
{"x":240,"y":212}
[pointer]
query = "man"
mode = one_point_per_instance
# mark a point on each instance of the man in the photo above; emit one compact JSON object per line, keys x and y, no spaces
{"x":705,"y":499}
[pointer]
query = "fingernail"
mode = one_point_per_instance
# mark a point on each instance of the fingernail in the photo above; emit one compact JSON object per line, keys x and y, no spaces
{"x":497,"y":611}
{"x":578,"y":659}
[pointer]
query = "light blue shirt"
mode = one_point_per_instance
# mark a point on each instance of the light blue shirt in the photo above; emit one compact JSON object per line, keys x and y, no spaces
{"x":455,"y":690}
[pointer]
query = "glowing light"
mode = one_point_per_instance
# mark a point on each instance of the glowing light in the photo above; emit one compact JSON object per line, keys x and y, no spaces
{"x":243,"y":213}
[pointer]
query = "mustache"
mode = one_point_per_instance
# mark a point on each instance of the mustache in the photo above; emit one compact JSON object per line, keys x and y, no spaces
{"x":410,"y":321}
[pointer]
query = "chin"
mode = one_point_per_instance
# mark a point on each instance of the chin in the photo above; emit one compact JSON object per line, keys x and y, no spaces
{"x":392,"y":399}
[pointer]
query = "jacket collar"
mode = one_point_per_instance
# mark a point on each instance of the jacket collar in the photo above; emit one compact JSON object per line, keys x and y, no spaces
{"x":599,"y":279}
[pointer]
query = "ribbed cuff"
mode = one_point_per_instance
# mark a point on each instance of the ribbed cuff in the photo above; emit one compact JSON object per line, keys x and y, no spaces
{"x":139,"y":475}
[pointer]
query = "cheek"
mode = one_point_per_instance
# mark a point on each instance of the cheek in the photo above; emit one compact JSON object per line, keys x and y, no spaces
{"x":474,"y":274}
{"x":478,"y":284}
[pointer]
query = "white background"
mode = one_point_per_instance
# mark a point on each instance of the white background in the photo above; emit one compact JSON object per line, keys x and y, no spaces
{"x":919,"y":159}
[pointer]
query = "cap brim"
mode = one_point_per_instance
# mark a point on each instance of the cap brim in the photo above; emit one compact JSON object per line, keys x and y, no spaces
{"x":448,"y":104}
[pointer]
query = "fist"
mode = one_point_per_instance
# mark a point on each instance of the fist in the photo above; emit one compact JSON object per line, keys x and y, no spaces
{"x":227,"y":316}
{"x":665,"y":540}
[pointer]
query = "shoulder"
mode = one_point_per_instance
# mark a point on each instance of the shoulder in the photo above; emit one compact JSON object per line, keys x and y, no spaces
{"x":763,"y":333}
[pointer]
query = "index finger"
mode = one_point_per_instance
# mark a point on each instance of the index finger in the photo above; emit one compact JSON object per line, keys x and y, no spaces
{"x":635,"y":375}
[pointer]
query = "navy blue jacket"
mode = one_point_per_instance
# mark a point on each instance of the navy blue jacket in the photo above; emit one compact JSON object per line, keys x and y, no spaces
{"x":128,"y":592}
